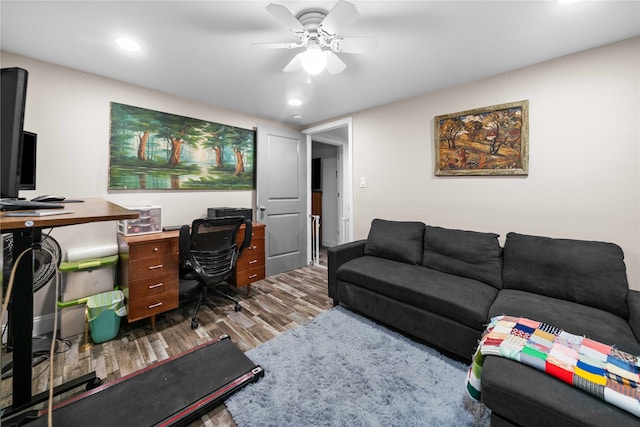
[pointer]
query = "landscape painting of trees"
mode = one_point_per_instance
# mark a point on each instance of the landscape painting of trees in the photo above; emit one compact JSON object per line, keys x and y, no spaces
{"x":485,"y":141}
{"x":151,"y":150}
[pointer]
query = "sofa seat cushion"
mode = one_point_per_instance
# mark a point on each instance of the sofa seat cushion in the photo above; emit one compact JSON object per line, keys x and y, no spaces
{"x":528,"y":397}
{"x":585,"y":272}
{"x":464,"y":253}
{"x":454,"y":297}
{"x":396,"y":240}
{"x":599,"y":325}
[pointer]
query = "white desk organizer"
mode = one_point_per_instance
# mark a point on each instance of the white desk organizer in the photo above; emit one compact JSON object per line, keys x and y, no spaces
{"x":150,"y":221}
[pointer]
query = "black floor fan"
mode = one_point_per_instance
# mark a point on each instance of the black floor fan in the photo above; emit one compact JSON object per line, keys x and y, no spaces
{"x":46,"y":260}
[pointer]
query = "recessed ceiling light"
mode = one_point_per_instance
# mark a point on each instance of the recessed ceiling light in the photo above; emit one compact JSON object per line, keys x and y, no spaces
{"x":295,"y":102}
{"x":128,"y":44}
{"x":297,"y":117}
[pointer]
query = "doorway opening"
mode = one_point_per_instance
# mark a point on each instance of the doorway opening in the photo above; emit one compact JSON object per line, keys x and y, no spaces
{"x":330,"y":200}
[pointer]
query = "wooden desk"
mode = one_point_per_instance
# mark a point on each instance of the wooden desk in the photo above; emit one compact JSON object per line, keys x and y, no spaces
{"x":26,"y":232}
{"x":149,"y":268}
{"x":148,"y":274}
{"x":92,"y":210}
{"x":250,"y":266}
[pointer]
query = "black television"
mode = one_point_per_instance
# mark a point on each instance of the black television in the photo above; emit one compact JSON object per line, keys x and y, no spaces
{"x":28,"y":161}
{"x":13,"y":96}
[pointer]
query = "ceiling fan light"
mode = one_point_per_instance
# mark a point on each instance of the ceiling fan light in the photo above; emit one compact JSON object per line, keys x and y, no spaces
{"x":313,"y":60}
{"x":128,"y":44}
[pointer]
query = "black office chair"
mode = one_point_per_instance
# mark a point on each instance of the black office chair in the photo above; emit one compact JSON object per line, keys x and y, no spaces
{"x":208,"y":255}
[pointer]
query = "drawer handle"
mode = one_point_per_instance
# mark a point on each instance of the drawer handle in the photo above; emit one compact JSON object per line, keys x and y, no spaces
{"x":253,"y":261}
{"x":252,"y":276}
{"x":155,"y":249}
{"x":157,"y":285}
{"x":252,"y":247}
{"x":155,"y":267}
{"x":155,"y":305}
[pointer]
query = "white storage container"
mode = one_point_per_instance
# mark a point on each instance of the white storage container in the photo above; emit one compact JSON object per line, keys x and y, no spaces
{"x":80,"y":280}
{"x":72,"y":321}
{"x":89,"y":277}
{"x":150,"y":221}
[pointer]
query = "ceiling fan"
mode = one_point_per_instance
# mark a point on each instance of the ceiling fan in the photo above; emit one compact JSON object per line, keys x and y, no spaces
{"x":318,"y":32}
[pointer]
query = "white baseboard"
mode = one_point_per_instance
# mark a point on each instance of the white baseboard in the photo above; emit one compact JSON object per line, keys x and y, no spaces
{"x":41,"y":325}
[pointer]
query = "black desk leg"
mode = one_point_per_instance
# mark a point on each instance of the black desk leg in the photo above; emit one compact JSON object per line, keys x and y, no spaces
{"x":20,"y":325}
{"x":21,"y":316}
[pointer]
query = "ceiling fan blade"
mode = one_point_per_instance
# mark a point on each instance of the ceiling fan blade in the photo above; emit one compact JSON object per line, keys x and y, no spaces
{"x":335,"y":65}
{"x":294,"y":65}
{"x":354,"y":44}
{"x":342,"y":14}
{"x":277,"y":45}
{"x":285,"y":17}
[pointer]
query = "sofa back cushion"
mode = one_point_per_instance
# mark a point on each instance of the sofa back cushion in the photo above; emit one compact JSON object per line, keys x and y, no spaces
{"x":396,"y":240}
{"x":470,"y":254}
{"x":584,"y":272}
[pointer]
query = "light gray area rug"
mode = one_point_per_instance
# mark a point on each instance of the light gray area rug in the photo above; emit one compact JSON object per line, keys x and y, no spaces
{"x":341,"y":369}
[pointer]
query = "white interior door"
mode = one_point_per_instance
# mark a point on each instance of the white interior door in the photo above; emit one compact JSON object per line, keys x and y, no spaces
{"x":281,"y":187}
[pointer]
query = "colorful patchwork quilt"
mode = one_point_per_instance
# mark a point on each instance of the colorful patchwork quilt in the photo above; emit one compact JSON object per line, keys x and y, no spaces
{"x":598,"y":369}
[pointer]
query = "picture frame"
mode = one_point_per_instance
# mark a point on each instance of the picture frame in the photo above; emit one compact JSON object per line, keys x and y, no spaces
{"x":153,"y":150}
{"x":490,"y":140}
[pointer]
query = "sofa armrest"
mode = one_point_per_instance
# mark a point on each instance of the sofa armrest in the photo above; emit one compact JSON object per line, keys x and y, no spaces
{"x":337,"y":256}
{"x":633,"y":299}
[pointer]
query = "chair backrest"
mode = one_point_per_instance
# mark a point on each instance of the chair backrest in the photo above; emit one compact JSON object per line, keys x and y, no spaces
{"x":210,"y":250}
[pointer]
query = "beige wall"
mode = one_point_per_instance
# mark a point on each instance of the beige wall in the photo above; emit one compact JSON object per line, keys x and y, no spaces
{"x":70,"y":111}
{"x":584,"y":161}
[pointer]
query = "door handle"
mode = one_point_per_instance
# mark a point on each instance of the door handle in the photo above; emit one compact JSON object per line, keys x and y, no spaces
{"x":262,"y":208}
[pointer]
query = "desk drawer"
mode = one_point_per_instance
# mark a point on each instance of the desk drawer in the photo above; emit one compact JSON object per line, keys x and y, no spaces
{"x":250,"y":266}
{"x":153,"y":268}
{"x":252,"y":256}
{"x":244,"y":277}
{"x":141,"y":308}
{"x":153,"y":249}
{"x":166,"y":285}
{"x":257,"y":233}
{"x":148,"y":273}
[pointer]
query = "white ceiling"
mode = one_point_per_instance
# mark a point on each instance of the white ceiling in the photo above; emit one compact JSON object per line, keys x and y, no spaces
{"x":200,"y":50}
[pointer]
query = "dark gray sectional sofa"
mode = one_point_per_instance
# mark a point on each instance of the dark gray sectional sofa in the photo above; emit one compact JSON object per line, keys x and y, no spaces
{"x":442,"y":286}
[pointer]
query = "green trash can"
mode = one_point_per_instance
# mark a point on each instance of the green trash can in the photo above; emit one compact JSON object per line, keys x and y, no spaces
{"x":104,"y":311}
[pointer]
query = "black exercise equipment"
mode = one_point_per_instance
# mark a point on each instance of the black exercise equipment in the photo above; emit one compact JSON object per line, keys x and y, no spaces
{"x":174,"y":392}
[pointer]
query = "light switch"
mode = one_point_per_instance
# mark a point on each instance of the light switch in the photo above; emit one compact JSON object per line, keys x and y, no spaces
{"x":363,"y":182}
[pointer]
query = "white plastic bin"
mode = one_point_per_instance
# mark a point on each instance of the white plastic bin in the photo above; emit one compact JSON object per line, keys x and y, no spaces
{"x":80,"y":280}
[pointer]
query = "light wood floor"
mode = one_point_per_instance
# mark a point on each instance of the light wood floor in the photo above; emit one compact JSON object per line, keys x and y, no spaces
{"x":276,"y":304}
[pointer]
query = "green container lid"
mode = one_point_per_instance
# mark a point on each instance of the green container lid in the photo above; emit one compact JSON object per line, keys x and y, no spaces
{"x":88,"y":264}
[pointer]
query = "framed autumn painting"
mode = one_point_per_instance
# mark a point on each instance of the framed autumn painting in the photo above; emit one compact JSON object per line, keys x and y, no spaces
{"x":486,"y":141}
{"x":152,"y":150}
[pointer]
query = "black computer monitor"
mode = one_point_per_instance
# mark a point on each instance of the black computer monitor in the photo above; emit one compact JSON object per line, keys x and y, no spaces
{"x":13,"y":95}
{"x":28,"y":161}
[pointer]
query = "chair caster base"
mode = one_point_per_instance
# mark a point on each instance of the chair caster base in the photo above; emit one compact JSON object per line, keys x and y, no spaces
{"x":194,"y":324}
{"x":238,"y":307}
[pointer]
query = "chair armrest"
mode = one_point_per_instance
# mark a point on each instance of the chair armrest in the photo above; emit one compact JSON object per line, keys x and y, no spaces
{"x":633,"y":299}
{"x":337,"y":256}
{"x":248,"y":234}
{"x":184,"y":242}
